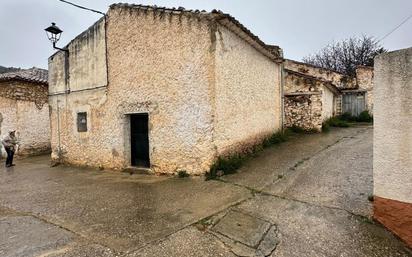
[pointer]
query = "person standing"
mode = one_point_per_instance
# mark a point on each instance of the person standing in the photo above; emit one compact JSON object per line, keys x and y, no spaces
{"x":10,"y":144}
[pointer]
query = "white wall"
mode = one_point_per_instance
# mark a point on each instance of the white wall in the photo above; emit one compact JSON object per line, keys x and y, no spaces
{"x":392,"y":149}
{"x":328,"y":105}
{"x":247,"y":93}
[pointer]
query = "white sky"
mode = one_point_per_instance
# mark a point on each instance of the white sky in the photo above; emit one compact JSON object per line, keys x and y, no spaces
{"x":300,"y":27}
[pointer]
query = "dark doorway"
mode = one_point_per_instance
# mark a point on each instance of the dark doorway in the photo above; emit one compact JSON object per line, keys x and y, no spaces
{"x":139,"y":140}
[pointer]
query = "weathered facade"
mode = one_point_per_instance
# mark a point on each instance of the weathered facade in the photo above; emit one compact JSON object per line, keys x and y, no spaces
{"x":392,"y":150}
{"x":314,"y":94}
{"x":24,"y":108}
{"x":308,"y":101}
{"x":364,"y":80}
{"x":188,"y":85}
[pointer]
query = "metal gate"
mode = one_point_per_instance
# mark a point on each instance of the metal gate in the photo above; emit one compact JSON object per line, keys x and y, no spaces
{"x":353,"y":103}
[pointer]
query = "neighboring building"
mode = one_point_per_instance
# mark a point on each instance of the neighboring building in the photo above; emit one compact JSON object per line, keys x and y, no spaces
{"x":24,"y":108}
{"x":308,"y":101}
{"x":313,"y":94}
{"x":364,"y":80}
{"x":165,"y":89}
{"x":392,"y":147}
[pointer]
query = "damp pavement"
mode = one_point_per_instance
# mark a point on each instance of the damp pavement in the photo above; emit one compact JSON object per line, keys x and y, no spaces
{"x":305,"y":197}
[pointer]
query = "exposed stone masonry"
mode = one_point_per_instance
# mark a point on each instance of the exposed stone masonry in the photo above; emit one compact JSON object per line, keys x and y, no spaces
{"x":304,"y":111}
{"x":24,"y":108}
{"x":24,"y":91}
{"x":303,"y":101}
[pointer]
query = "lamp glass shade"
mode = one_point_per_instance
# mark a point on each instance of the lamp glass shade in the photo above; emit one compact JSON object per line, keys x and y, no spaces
{"x":53,"y":33}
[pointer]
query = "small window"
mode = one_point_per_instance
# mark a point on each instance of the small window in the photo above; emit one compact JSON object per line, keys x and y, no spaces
{"x":82,"y":122}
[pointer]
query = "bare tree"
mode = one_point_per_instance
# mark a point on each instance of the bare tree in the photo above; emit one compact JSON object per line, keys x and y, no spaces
{"x":346,"y":55}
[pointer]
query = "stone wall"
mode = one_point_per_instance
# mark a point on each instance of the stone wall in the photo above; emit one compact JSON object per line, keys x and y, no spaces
{"x":160,"y":66}
{"x":392,"y":151}
{"x":308,"y":101}
{"x":84,"y":66}
{"x":24,"y":91}
{"x":364,"y":80}
{"x":304,"y":111}
{"x":335,"y":78}
{"x":24,"y":108}
{"x":248,"y":106}
{"x":165,"y":65}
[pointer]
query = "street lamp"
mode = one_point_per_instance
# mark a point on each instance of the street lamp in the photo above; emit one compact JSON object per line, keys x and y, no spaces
{"x":53,"y":33}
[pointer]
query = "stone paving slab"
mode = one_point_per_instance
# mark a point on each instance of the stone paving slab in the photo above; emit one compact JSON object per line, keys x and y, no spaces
{"x":306,"y":230}
{"x":340,"y":176}
{"x":81,"y":249}
{"x":26,"y":236}
{"x":243,"y":228}
{"x":276,"y":161}
{"x":189,"y":242}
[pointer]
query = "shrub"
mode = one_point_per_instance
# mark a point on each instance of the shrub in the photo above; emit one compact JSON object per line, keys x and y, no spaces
{"x":300,"y":130}
{"x":297,"y":129}
{"x":365,"y":117}
{"x":182,"y":174}
{"x":230,"y":164}
{"x":278,"y":137}
{"x":339,"y":123}
{"x":335,"y":122}
{"x":347,"y":117}
{"x":325,"y":127}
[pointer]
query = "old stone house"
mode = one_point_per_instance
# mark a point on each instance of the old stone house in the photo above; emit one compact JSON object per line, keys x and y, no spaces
{"x":165,"y":89}
{"x":364,"y":81}
{"x":313,"y":94}
{"x":308,"y":100}
{"x":392,"y":142}
{"x":24,"y":108}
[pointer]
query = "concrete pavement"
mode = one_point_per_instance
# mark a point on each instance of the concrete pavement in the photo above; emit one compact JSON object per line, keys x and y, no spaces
{"x":306,"y":197}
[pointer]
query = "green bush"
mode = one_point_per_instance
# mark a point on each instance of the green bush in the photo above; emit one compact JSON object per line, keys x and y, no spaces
{"x":325,"y":127}
{"x":182,"y":174}
{"x":277,"y":138}
{"x":347,"y":117}
{"x":335,"y":122}
{"x":297,"y":129}
{"x":230,"y":164}
{"x":300,"y":130}
{"x":365,"y":117}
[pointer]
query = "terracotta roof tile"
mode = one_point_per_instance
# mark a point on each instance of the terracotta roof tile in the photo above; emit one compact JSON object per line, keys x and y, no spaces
{"x":35,"y":75}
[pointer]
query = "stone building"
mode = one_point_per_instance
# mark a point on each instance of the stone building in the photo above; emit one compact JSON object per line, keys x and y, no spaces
{"x":308,"y":100}
{"x":165,"y":89}
{"x":364,"y":80}
{"x":392,"y":148}
{"x":313,"y":94}
{"x":24,"y":108}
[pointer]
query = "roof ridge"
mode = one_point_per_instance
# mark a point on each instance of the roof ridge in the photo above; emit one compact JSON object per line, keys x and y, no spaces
{"x":34,"y":74}
{"x":155,"y":7}
{"x":215,"y":13}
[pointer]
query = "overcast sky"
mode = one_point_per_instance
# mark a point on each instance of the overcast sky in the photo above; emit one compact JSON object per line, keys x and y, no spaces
{"x":300,"y":27}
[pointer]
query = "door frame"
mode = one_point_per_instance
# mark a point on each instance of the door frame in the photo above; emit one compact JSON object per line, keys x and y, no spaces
{"x":128,"y":138}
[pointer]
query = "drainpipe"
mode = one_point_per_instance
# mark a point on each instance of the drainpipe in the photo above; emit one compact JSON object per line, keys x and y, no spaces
{"x":282,"y":96}
{"x":59,"y":149}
